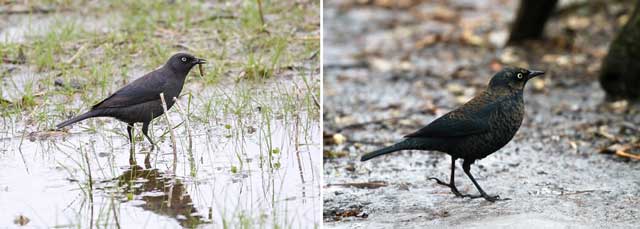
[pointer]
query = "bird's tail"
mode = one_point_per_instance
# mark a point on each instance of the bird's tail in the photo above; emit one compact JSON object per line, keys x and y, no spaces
{"x":88,"y":114}
{"x":406,"y":144}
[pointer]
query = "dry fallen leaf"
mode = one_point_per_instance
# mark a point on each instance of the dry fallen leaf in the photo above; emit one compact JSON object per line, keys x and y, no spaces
{"x":604,"y":132}
{"x":628,"y":155}
{"x":469,"y":37}
{"x":333,"y":154}
{"x":426,"y":41}
{"x":622,"y":150}
{"x":339,"y":139}
{"x":573,"y":145}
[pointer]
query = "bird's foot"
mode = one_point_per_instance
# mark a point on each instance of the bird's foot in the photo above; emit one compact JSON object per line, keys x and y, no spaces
{"x":488,"y":197}
{"x":453,"y":188}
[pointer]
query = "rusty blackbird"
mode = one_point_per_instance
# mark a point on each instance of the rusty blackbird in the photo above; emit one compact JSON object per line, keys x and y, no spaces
{"x":139,"y":101}
{"x":476,"y":129}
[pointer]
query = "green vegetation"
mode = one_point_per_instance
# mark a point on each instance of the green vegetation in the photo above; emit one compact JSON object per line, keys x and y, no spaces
{"x":262,"y":74}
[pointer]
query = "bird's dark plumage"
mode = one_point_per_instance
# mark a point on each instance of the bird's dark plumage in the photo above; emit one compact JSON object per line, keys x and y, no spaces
{"x":476,"y":129}
{"x":139,"y":101}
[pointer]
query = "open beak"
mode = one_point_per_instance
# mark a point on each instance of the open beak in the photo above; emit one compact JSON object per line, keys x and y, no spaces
{"x":534,"y":73}
{"x":200,"y":61}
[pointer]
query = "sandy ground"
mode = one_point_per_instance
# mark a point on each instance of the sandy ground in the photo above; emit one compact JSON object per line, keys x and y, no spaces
{"x":390,"y":70}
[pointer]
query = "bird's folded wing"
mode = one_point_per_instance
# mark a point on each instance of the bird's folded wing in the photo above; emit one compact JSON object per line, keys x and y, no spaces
{"x":458,"y":123}
{"x":145,"y":89}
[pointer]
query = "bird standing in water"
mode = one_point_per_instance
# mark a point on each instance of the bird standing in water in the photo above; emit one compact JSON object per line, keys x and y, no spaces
{"x":476,"y":129}
{"x":140,"y":100}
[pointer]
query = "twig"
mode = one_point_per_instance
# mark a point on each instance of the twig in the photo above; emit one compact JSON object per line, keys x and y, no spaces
{"x":172,"y":135}
{"x":627,"y":155}
{"x":75,"y":56}
{"x":185,"y":117}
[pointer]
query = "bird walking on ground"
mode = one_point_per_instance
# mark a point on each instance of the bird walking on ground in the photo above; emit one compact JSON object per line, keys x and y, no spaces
{"x":476,"y":129}
{"x":139,"y":101}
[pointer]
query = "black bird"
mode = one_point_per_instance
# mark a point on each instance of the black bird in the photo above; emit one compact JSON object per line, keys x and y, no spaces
{"x":476,"y":129}
{"x":139,"y":101}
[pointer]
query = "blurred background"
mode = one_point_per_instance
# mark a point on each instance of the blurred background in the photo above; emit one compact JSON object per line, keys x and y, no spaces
{"x":391,"y":67}
{"x":247,"y":132}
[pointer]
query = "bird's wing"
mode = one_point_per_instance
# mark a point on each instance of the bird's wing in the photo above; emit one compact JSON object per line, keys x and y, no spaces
{"x":458,"y":123}
{"x":144,"y":89}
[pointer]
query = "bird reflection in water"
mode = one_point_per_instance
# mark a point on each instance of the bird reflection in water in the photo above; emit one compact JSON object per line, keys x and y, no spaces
{"x":162,"y":194}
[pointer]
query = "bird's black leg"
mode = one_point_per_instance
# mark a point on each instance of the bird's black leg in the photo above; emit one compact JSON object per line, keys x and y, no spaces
{"x":145,"y":130}
{"x":466,"y":166}
{"x":451,"y":183}
{"x":130,"y":131}
{"x":132,"y":149}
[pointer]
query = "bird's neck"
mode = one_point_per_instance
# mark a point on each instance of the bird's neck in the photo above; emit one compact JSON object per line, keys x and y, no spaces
{"x":505,"y":91}
{"x":176,"y":74}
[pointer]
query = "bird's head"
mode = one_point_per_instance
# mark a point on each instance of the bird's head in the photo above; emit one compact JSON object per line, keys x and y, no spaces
{"x":183,"y":62}
{"x":512,"y":78}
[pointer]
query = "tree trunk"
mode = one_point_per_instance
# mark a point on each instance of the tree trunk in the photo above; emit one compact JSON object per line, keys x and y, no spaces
{"x":530,"y":20}
{"x":620,"y":73}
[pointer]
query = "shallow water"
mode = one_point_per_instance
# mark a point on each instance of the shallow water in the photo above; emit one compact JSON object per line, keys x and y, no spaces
{"x":48,"y":180}
{"x":249,"y":155}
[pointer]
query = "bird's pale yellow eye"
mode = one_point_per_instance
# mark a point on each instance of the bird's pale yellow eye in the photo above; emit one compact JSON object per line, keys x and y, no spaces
{"x":184,"y":59}
{"x":519,"y":75}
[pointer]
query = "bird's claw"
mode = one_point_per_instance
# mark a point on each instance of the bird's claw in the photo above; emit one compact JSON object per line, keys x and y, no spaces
{"x":439,"y":181}
{"x":455,"y":191}
{"x":453,"y":188}
{"x":489,"y":198}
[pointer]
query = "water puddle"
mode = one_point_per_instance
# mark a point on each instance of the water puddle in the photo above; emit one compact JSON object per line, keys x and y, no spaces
{"x":259,"y":170}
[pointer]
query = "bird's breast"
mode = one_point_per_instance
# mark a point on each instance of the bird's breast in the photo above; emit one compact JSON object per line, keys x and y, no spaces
{"x":506,"y":120}
{"x":173,"y":91}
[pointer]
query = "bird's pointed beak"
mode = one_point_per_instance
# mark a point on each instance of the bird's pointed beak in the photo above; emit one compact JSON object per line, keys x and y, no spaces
{"x":200,"y":61}
{"x":534,"y":73}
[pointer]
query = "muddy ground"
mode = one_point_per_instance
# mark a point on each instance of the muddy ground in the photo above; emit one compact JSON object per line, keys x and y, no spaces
{"x":392,"y":67}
